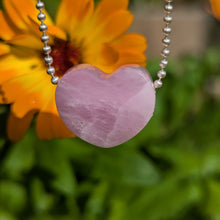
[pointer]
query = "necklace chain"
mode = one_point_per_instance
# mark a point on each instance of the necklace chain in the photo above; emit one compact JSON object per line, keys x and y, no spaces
{"x":165,"y":52}
{"x":45,"y":39}
{"x":168,"y":9}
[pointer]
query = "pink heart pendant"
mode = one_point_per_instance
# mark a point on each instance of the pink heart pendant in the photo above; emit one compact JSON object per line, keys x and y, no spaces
{"x":105,"y":110}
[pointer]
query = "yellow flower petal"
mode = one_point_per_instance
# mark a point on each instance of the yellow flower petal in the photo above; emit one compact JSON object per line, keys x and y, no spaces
{"x":70,"y":13}
{"x":26,"y":92}
{"x":22,"y":88}
{"x":14,"y":14}
{"x":109,"y":54}
{"x":104,"y":54}
{"x":128,"y":42}
{"x":4,"y":76}
{"x":17,"y":128}
{"x":22,"y":95}
{"x":12,"y":66}
{"x":216,"y":8}
{"x":125,"y":57}
{"x":109,"y":31}
{"x":98,"y":21}
{"x":49,"y":123}
{"x":49,"y":126}
{"x":6,"y":32}
{"x":4,"y":49}
{"x":128,"y":49}
{"x":131,"y":57}
{"x":53,"y":31}
{"x":20,"y":12}
{"x":123,"y":19}
{"x":106,"y":7}
{"x":26,"y":40}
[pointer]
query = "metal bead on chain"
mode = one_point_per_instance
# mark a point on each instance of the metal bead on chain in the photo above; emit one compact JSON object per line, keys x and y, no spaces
{"x":45,"y":39}
{"x":168,"y":8}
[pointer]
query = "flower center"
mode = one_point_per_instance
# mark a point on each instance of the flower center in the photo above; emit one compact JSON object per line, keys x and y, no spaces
{"x":64,"y":56}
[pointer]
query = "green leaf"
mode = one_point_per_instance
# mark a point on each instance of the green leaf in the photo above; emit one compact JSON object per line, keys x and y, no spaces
{"x":3,"y":109}
{"x":213,"y":203}
{"x":200,"y":162}
{"x":53,"y":159}
{"x":51,"y":217}
{"x":130,"y":168}
{"x":76,"y":149}
{"x":13,"y":197}
{"x":164,"y":201}
{"x":52,"y":6}
{"x":21,"y":157}
{"x":41,"y":200}
{"x":118,"y":209}
{"x":95,"y":205}
{"x":6,"y":216}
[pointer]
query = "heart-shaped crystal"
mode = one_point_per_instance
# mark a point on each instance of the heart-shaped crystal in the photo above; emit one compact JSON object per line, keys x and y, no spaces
{"x":105,"y":110}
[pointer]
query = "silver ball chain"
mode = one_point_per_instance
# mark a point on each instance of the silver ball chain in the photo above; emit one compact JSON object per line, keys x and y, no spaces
{"x":45,"y":39}
{"x":165,"y":52}
{"x":168,"y":8}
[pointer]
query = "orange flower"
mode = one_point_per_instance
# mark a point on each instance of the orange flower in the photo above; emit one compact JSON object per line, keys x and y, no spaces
{"x":216,"y":8}
{"x":80,"y":34}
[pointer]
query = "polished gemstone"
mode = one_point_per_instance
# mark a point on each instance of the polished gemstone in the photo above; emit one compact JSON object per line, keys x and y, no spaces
{"x":105,"y":110}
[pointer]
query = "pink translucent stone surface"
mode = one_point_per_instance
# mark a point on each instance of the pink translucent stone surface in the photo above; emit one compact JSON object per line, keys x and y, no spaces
{"x":104,"y":110}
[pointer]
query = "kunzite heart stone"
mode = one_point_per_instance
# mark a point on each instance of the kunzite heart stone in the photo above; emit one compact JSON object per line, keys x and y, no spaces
{"x":105,"y":110}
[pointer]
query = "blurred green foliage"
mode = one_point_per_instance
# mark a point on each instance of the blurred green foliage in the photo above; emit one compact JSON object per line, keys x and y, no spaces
{"x":170,"y":171}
